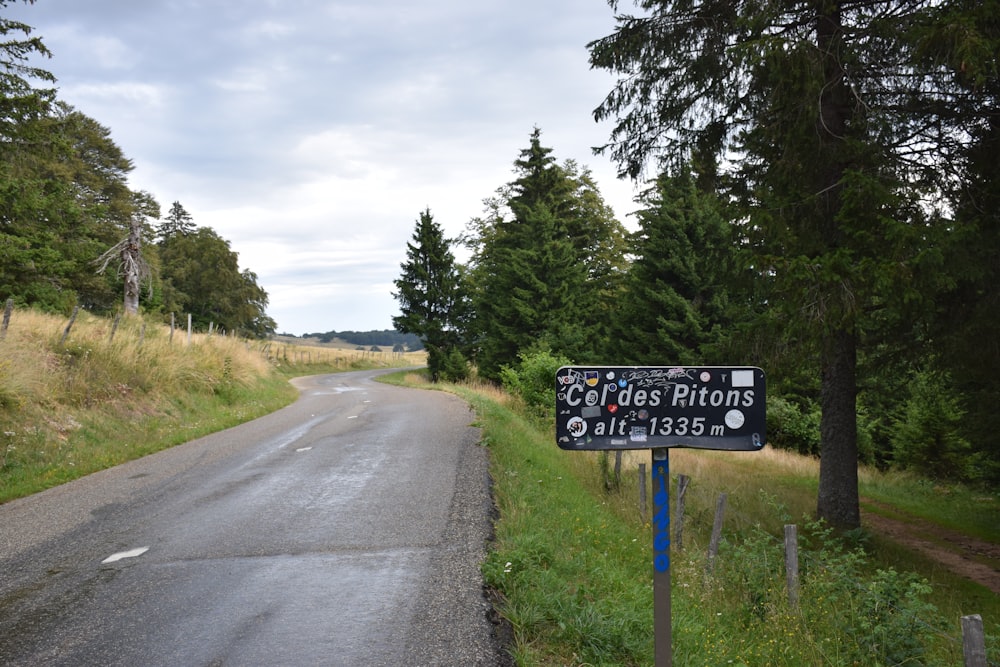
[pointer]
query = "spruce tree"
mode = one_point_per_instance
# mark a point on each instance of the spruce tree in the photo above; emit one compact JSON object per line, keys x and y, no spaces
{"x":542,"y":268}
{"x":674,"y":307}
{"x":431,"y":298}
{"x":814,"y":113}
{"x":177,"y":221}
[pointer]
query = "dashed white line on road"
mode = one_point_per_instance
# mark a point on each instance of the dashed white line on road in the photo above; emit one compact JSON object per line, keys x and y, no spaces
{"x":125,"y":554}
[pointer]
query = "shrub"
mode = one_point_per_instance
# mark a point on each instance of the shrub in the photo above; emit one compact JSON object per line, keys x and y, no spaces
{"x":533,"y":380}
{"x":454,"y":366}
{"x":791,"y":427}
{"x":925,"y":438}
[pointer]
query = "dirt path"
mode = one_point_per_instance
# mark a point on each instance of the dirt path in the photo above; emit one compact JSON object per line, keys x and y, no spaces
{"x":963,"y":555}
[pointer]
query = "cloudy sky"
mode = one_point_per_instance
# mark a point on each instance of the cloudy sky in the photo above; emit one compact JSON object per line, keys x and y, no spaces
{"x":312,"y":133}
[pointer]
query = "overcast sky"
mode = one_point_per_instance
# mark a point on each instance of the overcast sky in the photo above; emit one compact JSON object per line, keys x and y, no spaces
{"x":312,"y":133}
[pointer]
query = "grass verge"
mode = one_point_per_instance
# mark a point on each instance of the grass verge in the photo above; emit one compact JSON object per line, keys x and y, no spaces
{"x":571,"y":563}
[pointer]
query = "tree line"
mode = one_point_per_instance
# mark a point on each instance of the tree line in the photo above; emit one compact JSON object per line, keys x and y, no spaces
{"x":821,"y":199}
{"x":382,"y":338}
{"x":72,"y":231}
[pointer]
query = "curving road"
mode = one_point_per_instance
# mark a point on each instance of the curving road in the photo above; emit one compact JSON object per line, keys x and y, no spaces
{"x":345,"y":529}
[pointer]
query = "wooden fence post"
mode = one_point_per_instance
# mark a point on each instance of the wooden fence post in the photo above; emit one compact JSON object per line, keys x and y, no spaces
{"x":171,"y":338}
{"x":973,"y":641}
{"x":69,"y":325}
{"x":792,"y":564}
{"x":682,"y":487}
{"x":713,"y":545}
{"x":114,"y":326}
{"x":189,"y":329}
{"x":7,"y":310}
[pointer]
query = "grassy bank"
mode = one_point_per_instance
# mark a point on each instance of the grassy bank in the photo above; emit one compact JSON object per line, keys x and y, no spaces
{"x":72,"y":404}
{"x":572,"y":561}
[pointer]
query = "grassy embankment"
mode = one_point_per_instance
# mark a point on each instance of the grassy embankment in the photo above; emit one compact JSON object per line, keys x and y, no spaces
{"x":70,"y":408}
{"x":573,"y":561}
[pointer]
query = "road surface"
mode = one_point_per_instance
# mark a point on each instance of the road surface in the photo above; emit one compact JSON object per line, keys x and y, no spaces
{"x":346,"y":529}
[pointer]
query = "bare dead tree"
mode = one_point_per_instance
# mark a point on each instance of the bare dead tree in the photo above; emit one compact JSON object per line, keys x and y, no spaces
{"x":131,"y":264}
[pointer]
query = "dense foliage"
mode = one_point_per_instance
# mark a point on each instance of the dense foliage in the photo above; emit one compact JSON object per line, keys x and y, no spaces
{"x":841,"y":133}
{"x":847,"y":245}
{"x":72,"y":231}
{"x":547,"y":259}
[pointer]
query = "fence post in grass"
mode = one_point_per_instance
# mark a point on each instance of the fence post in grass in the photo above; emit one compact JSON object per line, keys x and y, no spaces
{"x":682,"y":487}
{"x":713,"y":545}
{"x":170,"y":339}
{"x":69,"y":325}
{"x":114,"y":327}
{"x":792,"y":564}
{"x":189,"y":329}
{"x":618,"y":468}
{"x":642,"y":491}
{"x":973,"y":641}
{"x":7,"y":310}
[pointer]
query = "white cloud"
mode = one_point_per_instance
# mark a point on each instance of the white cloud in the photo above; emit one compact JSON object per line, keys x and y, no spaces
{"x":311,"y":134}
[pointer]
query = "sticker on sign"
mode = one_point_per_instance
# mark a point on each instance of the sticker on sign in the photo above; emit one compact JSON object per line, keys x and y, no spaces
{"x":644,"y":407}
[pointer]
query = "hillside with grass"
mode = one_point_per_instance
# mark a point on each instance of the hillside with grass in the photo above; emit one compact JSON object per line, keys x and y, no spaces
{"x":82,"y":396}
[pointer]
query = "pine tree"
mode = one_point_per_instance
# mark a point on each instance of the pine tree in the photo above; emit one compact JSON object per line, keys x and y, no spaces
{"x":431,"y":298}
{"x":674,"y":308}
{"x":813,"y":110}
{"x":177,"y":221}
{"x":543,"y":263}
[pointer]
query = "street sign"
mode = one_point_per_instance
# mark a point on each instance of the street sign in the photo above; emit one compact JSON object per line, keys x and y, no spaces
{"x":648,"y":407}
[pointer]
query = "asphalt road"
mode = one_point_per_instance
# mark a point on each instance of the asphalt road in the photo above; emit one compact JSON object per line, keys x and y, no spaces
{"x":346,"y":529}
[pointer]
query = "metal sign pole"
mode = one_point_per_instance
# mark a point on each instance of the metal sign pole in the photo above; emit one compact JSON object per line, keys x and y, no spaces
{"x":662,"y":623}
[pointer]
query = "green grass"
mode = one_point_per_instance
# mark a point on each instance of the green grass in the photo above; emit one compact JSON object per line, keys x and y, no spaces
{"x":972,"y":511}
{"x":571,"y":563}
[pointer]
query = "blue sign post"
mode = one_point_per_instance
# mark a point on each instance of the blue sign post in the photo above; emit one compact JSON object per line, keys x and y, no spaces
{"x":662,"y":623}
{"x":659,"y":407}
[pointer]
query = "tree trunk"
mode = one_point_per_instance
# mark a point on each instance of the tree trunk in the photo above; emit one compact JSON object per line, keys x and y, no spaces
{"x":837,"y":500}
{"x":131,"y":266}
{"x":838,"y":470}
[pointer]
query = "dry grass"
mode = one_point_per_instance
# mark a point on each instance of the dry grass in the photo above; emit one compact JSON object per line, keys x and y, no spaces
{"x":337,"y":356}
{"x":71,"y":404}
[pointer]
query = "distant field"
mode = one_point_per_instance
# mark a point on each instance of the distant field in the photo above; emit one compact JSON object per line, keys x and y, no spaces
{"x":336,"y":343}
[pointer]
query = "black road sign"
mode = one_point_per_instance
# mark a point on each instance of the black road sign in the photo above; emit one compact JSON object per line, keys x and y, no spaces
{"x":646,"y":407}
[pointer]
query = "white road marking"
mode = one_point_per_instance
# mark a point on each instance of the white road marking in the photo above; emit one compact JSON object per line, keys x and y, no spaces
{"x":303,"y":449}
{"x":125,"y":554}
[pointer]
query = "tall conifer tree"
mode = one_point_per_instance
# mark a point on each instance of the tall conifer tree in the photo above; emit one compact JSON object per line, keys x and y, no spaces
{"x":812,"y":108}
{"x":543,"y":263}
{"x":674,"y":308}
{"x":431,"y":296}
